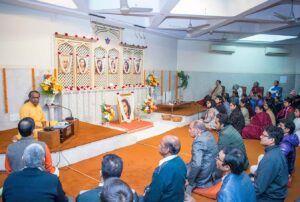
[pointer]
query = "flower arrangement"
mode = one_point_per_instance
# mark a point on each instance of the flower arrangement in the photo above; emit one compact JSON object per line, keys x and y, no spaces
{"x":50,"y":86}
{"x":149,"y":106}
{"x":108,"y":113}
{"x":152,"y":80}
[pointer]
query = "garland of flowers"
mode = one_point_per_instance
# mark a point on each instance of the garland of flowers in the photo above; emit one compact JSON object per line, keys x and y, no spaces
{"x":152,"y":80}
{"x":184,"y":79}
{"x":50,"y":86}
{"x":108,"y":113}
{"x":149,"y":106}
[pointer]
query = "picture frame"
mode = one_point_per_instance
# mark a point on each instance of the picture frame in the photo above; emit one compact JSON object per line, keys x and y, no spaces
{"x":126,"y":107}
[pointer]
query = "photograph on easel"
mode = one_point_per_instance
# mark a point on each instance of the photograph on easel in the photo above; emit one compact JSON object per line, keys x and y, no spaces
{"x":126,"y":107}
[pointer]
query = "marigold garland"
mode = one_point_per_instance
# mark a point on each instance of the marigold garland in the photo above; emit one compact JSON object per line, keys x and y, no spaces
{"x":152,"y":80}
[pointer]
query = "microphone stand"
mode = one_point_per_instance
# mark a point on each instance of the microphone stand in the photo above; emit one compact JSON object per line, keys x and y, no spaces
{"x":49,"y":128}
{"x":69,"y":118}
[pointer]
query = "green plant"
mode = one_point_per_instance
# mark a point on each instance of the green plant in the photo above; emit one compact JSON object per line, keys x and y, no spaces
{"x":184,"y":79}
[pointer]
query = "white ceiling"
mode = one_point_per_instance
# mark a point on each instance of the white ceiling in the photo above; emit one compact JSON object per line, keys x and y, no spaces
{"x":218,"y":20}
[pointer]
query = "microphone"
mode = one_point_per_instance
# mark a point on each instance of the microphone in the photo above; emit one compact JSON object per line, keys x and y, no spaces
{"x":70,"y":118}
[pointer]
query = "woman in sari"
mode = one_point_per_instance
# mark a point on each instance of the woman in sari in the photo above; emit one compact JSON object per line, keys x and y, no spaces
{"x":260,"y":121}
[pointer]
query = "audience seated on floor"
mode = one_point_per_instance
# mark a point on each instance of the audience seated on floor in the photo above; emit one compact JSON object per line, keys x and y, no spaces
{"x":229,"y":136}
{"x":271,"y":178}
{"x":235,"y":97}
{"x":257,"y":124}
{"x":219,"y":105}
{"x":13,"y":159}
{"x":168,"y":179}
{"x":111,"y":166}
{"x":210,"y":115}
{"x":202,"y":167}
{"x":268,"y":106}
{"x":287,"y":112}
{"x":297,"y":121}
{"x":288,"y":145}
{"x":33,"y":183}
{"x":116,"y":190}
{"x":236,"y":117}
{"x":236,"y":185}
{"x":245,"y":111}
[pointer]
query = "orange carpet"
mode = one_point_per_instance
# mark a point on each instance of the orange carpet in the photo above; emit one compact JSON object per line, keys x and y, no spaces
{"x":187,"y":110}
{"x":141,"y":159}
{"x":134,"y":126}
{"x":86,"y":133}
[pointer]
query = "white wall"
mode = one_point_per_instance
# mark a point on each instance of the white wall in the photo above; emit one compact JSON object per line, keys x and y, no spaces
{"x":195,"y":56}
{"x":27,"y":39}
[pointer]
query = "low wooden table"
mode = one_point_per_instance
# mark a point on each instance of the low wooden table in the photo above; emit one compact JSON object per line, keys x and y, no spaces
{"x":174,"y":106}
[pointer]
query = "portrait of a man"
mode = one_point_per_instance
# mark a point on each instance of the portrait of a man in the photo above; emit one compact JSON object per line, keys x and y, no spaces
{"x":113,"y":66}
{"x":137,"y":66}
{"x":82,"y":65}
{"x":126,"y":68}
{"x":65,"y":62}
{"x":99,"y":66}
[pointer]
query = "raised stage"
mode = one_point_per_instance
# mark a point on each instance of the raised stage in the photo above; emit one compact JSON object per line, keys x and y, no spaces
{"x":92,"y":140}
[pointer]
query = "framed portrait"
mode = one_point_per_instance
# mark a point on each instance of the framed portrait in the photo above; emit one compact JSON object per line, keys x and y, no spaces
{"x":126,"y":66}
{"x":113,"y":65}
{"x":126,"y":107}
{"x":82,"y":64}
{"x":65,"y":63}
{"x":137,"y":66}
{"x":99,"y":66}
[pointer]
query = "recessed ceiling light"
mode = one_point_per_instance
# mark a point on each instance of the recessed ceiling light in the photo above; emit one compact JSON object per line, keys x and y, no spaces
{"x":62,"y":3}
{"x":266,"y":38}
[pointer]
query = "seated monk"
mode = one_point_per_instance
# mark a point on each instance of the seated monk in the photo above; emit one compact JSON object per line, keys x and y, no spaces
{"x":33,"y":109}
{"x":257,"y":124}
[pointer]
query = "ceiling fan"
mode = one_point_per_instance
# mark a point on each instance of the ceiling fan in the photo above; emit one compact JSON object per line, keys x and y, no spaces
{"x":291,"y":18}
{"x":125,"y":9}
{"x":190,"y":28}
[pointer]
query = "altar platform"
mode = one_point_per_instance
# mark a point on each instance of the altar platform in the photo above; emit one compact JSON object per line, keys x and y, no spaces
{"x":92,"y":140}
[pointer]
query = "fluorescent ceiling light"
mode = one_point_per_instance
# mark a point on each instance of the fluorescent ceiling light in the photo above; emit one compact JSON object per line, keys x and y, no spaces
{"x":214,"y":7}
{"x":62,"y":3}
{"x":266,"y":38}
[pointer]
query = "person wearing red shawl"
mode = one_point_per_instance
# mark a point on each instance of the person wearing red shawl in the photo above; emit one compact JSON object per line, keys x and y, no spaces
{"x":256,"y":89}
{"x":287,"y":112}
{"x":256,"y":127}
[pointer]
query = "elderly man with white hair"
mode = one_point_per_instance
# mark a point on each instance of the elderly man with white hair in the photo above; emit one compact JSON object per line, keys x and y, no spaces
{"x":201,"y":171}
{"x":33,"y":183}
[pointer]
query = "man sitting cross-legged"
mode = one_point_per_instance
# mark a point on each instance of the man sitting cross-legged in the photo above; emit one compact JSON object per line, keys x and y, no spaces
{"x":202,"y":167}
{"x":271,"y":177}
{"x":236,"y":186}
{"x":13,"y":159}
{"x":111,"y":166}
{"x":169,"y":177}
{"x":229,"y":136}
{"x":32,"y":183}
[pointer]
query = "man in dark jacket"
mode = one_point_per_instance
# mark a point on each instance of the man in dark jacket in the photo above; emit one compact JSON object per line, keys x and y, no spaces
{"x":229,"y":136}
{"x":32,"y":183}
{"x":202,"y":166}
{"x":288,"y":144}
{"x":271,"y":178}
{"x":236,"y":186}
{"x":168,"y":178}
{"x":111,"y":166}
